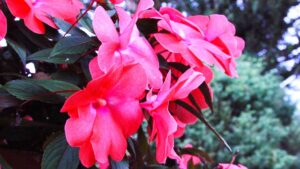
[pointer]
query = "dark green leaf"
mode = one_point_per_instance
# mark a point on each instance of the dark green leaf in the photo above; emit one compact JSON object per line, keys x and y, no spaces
{"x":131,"y":147}
{"x":73,"y":45}
{"x":44,"y":55}
{"x":206,"y":93}
{"x":142,"y":141}
{"x":193,"y":101}
{"x":59,"y":155}
{"x":156,"y":166}
{"x":37,"y":39}
{"x":136,"y":154}
{"x":61,"y":87}
{"x":202,"y":118}
{"x":65,"y":26}
{"x":84,"y":63}
{"x":147,"y":26}
{"x":19,"y":49}
{"x":119,"y":165}
{"x":28,"y":90}
{"x":179,"y":66}
{"x":86,"y":22}
{"x":66,"y":76}
{"x":49,"y":91}
{"x":163,"y":63}
{"x":7,"y":100}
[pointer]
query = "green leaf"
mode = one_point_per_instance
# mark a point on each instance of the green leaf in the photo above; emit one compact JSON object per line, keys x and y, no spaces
{"x":155,"y":166}
{"x":20,"y":50}
{"x":179,"y":66}
{"x":49,"y":91}
{"x":67,"y":76}
{"x":206,"y":93}
{"x":57,"y":86}
{"x":7,"y":100}
{"x":147,"y":26}
{"x":119,"y":165}
{"x":131,"y":147}
{"x":65,"y":26}
{"x":4,"y":164}
{"x":137,"y":156}
{"x":200,"y":116}
{"x":44,"y":55}
{"x":28,"y":90}
{"x":59,"y":155}
{"x":142,"y":141}
{"x":84,"y":63}
{"x":73,"y":45}
{"x":86,"y":22}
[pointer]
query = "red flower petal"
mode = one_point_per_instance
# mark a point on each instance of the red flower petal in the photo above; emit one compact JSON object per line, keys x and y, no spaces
{"x":104,"y":27}
{"x":18,"y":8}
{"x":78,"y":130}
{"x":80,"y":98}
{"x":108,"y":138}
{"x":86,"y":155}
{"x":3,"y":24}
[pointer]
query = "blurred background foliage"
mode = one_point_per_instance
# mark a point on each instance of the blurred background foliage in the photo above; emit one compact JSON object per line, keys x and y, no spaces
{"x":253,"y":112}
{"x":254,"y":116}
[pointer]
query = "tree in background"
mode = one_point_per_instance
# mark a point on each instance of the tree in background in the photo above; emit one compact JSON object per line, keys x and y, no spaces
{"x":256,"y":119}
{"x":292,"y":141}
{"x":261,"y":23}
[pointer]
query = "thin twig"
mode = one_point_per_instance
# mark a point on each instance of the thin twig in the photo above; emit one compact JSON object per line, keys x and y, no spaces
{"x":80,"y":17}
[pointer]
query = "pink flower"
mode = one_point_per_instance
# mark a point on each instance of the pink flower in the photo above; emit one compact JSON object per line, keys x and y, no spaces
{"x":164,"y":124}
{"x":187,"y":157}
{"x":112,"y":1}
{"x":127,"y":45}
{"x":209,"y":39}
{"x":3,"y":24}
{"x":181,"y":114}
{"x":105,"y":114}
{"x":231,"y":166}
{"x":37,"y":12}
{"x":197,"y":94}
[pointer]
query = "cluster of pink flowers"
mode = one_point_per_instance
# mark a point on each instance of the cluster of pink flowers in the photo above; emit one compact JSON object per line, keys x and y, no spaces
{"x":127,"y":85}
{"x":36,"y":13}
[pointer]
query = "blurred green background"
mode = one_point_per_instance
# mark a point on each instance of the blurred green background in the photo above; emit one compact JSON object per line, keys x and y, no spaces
{"x":254,"y":112}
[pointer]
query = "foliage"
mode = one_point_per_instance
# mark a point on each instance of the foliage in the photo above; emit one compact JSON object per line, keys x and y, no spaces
{"x":292,"y":141}
{"x":59,"y":155}
{"x":253,"y":90}
{"x":254,"y":115}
